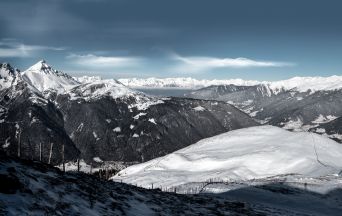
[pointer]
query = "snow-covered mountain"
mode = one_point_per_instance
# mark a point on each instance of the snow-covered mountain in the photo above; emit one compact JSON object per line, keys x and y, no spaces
{"x":43,"y":77}
{"x":87,"y":79}
{"x":299,"y":103}
{"x":182,"y":82}
{"x":301,"y":84}
{"x":102,"y":119}
{"x":7,"y":75}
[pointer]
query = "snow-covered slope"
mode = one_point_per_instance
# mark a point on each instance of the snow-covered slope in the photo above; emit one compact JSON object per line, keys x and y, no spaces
{"x":114,"y":89}
{"x":100,"y":88}
{"x":7,"y":75}
{"x":244,"y":154}
{"x":87,"y":79}
{"x":43,"y":77}
{"x":301,"y":84}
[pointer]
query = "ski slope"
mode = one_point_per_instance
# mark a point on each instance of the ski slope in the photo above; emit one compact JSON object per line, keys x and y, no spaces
{"x":244,"y":154}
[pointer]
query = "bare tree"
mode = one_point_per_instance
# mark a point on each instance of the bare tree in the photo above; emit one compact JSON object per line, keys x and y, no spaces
{"x":51,"y":147}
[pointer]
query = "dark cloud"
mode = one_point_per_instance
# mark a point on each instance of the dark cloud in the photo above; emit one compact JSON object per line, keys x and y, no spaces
{"x":307,"y":32}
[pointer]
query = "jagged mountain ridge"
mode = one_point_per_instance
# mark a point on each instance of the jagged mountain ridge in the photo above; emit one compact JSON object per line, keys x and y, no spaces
{"x":104,"y":119}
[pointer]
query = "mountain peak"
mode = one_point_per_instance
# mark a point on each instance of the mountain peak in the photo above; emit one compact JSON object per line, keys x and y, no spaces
{"x":42,"y":76}
{"x":41,"y":66}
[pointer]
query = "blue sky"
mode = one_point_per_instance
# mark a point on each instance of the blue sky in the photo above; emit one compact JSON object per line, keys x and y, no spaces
{"x":217,"y":39}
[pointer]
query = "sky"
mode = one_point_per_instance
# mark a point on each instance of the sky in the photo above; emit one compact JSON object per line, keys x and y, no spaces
{"x":212,"y":39}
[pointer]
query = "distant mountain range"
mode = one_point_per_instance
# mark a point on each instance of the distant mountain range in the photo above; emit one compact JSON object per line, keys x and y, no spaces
{"x":301,"y":84}
{"x":292,"y":109}
{"x":299,"y":103}
{"x":47,"y":115}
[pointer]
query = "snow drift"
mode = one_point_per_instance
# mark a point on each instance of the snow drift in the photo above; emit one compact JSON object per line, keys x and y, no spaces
{"x":244,"y":154}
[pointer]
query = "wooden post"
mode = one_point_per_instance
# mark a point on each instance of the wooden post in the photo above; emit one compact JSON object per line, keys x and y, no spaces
{"x":152,"y":186}
{"x":40,"y":151}
{"x":78,"y":164}
{"x":19,"y":143}
{"x":51,"y":147}
{"x":63,"y":158}
{"x":91,"y":168}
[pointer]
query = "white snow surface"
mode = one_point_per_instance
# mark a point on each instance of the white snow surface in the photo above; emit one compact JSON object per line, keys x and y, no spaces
{"x":101,"y":88}
{"x":114,"y":89}
{"x":244,"y":154}
{"x":117,"y":129}
{"x":87,"y":79}
{"x":7,"y":77}
{"x":199,"y":108}
{"x":43,"y":77}
{"x":301,"y":84}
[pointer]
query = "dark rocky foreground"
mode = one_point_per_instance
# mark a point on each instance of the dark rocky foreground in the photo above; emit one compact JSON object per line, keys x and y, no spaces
{"x":33,"y":188}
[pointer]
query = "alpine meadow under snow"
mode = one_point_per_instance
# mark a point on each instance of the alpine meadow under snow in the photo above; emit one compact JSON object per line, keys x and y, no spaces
{"x":240,"y":155}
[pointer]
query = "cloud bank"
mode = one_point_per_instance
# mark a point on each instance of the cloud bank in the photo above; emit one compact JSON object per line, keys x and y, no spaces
{"x":12,"y":48}
{"x":202,"y":63}
{"x":91,"y":60}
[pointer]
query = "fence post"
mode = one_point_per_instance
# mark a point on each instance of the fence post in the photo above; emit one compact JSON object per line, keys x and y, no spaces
{"x":40,"y":151}
{"x":19,"y":143}
{"x":63,"y":158}
{"x":78,"y":164}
